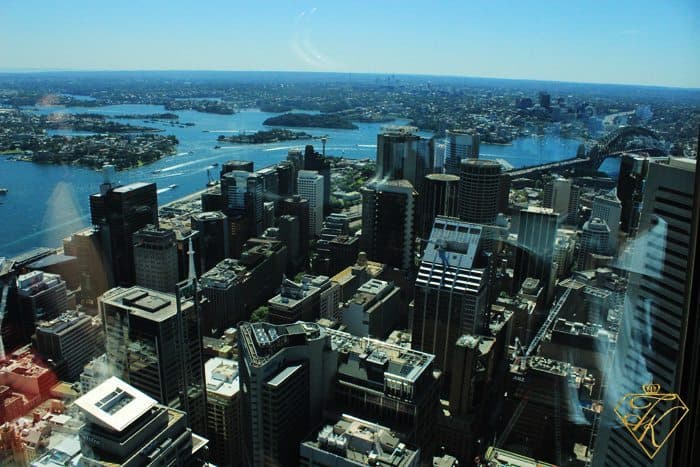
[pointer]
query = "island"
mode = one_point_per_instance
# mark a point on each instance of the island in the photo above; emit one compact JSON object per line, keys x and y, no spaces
{"x":265,"y":136}
{"x":200,"y":105}
{"x":163,"y":116}
{"x":311,"y":121}
{"x":94,"y":123}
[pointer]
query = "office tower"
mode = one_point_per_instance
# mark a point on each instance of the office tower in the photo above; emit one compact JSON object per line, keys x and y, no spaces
{"x":119,"y":212}
{"x":286,"y":176}
{"x":212,"y":242}
{"x":230,"y":166}
{"x":318,"y":162}
{"x":450,"y":290}
{"x":310,"y":187}
{"x":403,"y":155}
{"x":595,"y":239}
{"x":155,"y":258}
{"x":545,"y":100}
{"x":286,"y":373}
{"x":478,"y":191}
{"x":562,"y":196}
{"x":223,"y":412}
{"x":652,"y":344}
{"x":630,"y":188}
{"x":41,"y":296}
{"x":243,"y":194}
{"x":296,"y":158}
{"x":271,"y":183}
{"x":298,"y":207}
{"x":460,"y":144}
{"x":212,"y":200}
{"x":439,"y":198}
{"x":152,"y":341}
{"x":537,"y":233}
{"x":373,"y":311}
{"x":392,"y":385}
{"x":608,"y":208}
{"x":69,"y":341}
{"x":86,"y":246}
{"x":288,"y":232}
{"x":124,"y":426}
{"x":268,"y":214}
{"x":352,"y":442}
{"x":336,"y":249}
{"x":388,"y":218}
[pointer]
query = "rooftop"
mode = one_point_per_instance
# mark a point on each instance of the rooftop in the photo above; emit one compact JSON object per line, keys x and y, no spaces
{"x":221,"y":376}
{"x":363,"y":442}
{"x":115,"y":404}
{"x":142,"y":302}
{"x":261,"y":341}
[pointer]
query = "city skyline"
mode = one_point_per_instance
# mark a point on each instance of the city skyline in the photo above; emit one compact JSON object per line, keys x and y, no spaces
{"x":541,"y":41}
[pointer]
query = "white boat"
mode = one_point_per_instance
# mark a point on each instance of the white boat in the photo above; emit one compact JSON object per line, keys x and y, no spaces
{"x":174,"y":185}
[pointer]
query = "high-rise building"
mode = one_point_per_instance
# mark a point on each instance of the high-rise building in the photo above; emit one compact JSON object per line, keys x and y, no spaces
{"x":537,"y":233}
{"x":41,"y":296}
{"x":155,"y":258}
{"x":373,"y":311}
{"x":353,"y":442}
{"x":439,"y":198}
{"x":92,"y":267}
{"x":652,"y":345}
{"x":152,"y":340}
{"x":450,"y":290}
{"x":388,"y":220}
{"x":271,"y":182}
{"x":460,"y":144}
{"x":212,"y":241}
{"x":403,"y":155}
{"x":562,"y":196}
{"x":595,"y":239}
{"x":223,"y":411}
{"x":608,"y":208}
{"x":479,"y":190}
{"x":310,"y":187}
{"x":318,"y":162}
{"x":298,"y":207}
{"x":69,"y":342}
{"x":286,"y":175}
{"x":119,"y":212}
{"x":124,"y":426}
{"x":243,"y":194}
{"x":630,"y":188}
{"x":286,"y":376}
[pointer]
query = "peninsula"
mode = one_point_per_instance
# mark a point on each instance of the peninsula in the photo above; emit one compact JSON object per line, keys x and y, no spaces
{"x":311,"y":121}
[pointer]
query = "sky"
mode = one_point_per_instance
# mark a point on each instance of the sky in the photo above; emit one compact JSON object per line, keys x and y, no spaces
{"x":595,"y":41}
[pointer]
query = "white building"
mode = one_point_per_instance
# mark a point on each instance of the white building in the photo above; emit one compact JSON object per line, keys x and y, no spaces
{"x":310,"y":187}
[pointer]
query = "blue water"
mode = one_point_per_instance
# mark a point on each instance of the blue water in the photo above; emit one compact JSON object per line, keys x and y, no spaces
{"x":47,"y":203}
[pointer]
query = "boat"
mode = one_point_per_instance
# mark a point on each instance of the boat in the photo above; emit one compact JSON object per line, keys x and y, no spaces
{"x":174,"y":185}
{"x":157,"y":171}
{"x":215,"y":164}
{"x":3,"y":191}
{"x":217,"y":147}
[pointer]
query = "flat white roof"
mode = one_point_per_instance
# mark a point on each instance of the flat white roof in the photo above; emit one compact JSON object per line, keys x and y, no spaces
{"x":115,"y":404}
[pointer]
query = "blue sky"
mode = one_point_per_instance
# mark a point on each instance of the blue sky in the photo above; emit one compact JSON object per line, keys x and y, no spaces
{"x":612,"y":41}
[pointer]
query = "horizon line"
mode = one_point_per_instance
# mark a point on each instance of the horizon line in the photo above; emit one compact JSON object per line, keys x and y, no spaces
{"x":438,"y":75}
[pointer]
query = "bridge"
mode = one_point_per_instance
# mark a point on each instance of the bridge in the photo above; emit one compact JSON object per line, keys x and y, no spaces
{"x":611,"y":145}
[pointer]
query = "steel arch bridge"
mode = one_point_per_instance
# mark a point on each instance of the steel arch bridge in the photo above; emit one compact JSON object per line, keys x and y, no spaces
{"x":614,"y":142}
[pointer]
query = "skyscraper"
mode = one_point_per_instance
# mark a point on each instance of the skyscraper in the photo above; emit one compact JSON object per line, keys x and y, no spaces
{"x":403,"y":155}
{"x":318,"y":162}
{"x":450,"y":290}
{"x":223,"y":411}
{"x":630,"y":188}
{"x":286,"y":374}
{"x":388,"y":218}
{"x":479,"y":190}
{"x":119,"y":212}
{"x":537,"y":233}
{"x":595,"y":239}
{"x":299,"y":207}
{"x":310,"y":187}
{"x":608,"y":208}
{"x":155,"y":258}
{"x":243,"y":194}
{"x":212,"y":242}
{"x":652,"y":345}
{"x":152,"y":340}
{"x":460,"y":144}
{"x":439,"y":198}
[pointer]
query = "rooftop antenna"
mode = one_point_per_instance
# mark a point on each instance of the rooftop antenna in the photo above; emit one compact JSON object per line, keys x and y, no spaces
{"x":192,"y":273}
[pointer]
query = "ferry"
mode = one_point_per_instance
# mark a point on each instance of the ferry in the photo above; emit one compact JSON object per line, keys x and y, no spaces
{"x":157,"y":171}
{"x":3,"y":191}
{"x":174,"y":185}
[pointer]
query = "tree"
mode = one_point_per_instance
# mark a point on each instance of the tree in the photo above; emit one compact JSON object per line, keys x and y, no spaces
{"x":260,"y":314}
